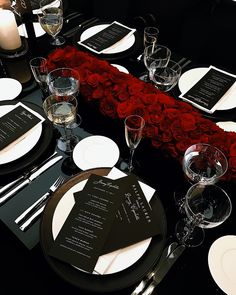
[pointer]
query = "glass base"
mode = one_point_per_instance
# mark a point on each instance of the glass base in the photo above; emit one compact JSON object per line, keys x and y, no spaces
{"x":189,"y":239}
{"x":58,"y":41}
{"x":144,"y":77}
{"x":68,"y":167}
{"x":123,"y":165}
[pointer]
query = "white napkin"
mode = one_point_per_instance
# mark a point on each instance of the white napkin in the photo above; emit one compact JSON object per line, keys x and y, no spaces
{"x":110,"y":263}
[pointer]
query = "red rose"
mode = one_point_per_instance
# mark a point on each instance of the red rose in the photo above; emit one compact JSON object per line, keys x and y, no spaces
{"x":108,"y":107}
{"x":187,"y":122}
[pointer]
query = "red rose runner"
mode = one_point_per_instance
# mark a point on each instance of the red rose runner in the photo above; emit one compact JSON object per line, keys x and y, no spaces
{"x":171,"y":125}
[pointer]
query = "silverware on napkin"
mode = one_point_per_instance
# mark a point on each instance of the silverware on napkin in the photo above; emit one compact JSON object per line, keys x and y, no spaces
{"x":25,"y":175}
{"x":26,"y":225}
{"x":166,"y":252}
{"x":28,"y":180}
{"x":40,"y":201}
{"x":161,"y":272}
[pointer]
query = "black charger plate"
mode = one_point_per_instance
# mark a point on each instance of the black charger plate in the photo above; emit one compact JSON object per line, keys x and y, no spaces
{"x":44,"y":145}
{"x":100,"y":283}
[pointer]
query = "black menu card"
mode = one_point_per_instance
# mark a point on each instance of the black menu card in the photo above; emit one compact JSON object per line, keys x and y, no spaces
{"x":84,"y":232}
{"x":107,"y":215}
{"x":107,"y":37}
{"x":15,"y":124}
{"x":209,"y":91}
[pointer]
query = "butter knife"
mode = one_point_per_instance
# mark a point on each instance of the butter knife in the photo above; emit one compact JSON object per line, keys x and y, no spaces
{"x":24,"y":175}
{"x":33,"y":218}
{"x":164,"y":268}
{"x":72,"y":31}
{"x":28,"y":180}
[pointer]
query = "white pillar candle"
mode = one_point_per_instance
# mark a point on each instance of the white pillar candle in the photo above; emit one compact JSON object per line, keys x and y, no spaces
{"x":9,"y":34}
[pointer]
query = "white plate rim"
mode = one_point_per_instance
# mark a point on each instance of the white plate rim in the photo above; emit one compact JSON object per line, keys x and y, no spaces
{"x":228,"y":126}
{"x":125,"y":258}
{"x":12,"y":88}
{"x":120,"y":68}
{"x":37,"y":29}
{"x":215,"y":261}
{"x":85,"y":143}
{"x":192,"y":76}
{"x":122,"y":46}
{"x":22,"y":147}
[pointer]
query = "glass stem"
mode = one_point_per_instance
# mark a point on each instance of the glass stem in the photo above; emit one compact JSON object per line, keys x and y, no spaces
{"x":130,"y":165}
{"x":190,"y":226}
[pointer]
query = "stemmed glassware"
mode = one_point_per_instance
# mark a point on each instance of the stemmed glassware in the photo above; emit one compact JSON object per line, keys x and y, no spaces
{"x":164,"y":77}
{"x":150,"y":36}
{"x":134,"y":125}
{"x":51,"y":19}
{"x":206,"y":206}
{"x":39,"y":69}
{"x":152,"y":53}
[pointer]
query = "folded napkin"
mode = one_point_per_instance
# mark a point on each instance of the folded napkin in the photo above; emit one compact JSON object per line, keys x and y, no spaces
{"x":17,"y":125}
{"x":108,"y":38}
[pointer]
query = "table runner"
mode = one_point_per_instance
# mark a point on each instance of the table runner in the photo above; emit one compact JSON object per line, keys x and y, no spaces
{"x":171,"y":125}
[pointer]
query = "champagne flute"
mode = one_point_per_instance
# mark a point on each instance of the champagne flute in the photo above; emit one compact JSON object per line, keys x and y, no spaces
{"x":150,"y":36}
{"x":51,"y":19}
{"x":134,"y":125}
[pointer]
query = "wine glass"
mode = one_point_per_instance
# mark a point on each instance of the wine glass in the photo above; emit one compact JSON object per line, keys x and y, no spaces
{"x":153,"y":53}
{"x":150,"y":35}
{"x":134,"y":125}
{"x":39,"y":70}
{"x":51,"y":19}
{"x":206,"y":206}
{"x":61,"y":111}
{"x":202,"y":163}
{"x":164,"y":77}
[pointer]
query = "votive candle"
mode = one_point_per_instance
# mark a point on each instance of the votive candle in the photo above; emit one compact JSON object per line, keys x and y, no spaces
{"x":9,"y":34}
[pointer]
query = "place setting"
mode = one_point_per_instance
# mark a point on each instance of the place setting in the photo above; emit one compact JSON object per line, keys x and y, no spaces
{"x":108,"y":41}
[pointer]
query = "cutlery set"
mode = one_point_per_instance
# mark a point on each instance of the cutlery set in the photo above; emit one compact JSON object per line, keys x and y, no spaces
{"x":34,"y":211}
{"x":82,"y":25}
{"x":169,"y":256}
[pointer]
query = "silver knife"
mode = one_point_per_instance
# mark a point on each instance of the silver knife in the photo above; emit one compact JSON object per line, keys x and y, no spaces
{"x":164,"y":268}
{"x":32,"y":218}
{"x":29,"y":179}
{"x":166,"y":252}
{"x":75,"y":29}
{"x":14,"y":182}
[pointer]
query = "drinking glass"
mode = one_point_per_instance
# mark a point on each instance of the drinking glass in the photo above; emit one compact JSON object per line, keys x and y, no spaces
{"x":206,"y":206}
{"x":39,"y":70}
{"x":164,"y":77}
{"x":150,"y":36}
{"x":204,"y":163}
{"x":152,"y":53}
{"x":61,"y":111}
{"x":51,"y":19}
{"x":134,"y":125}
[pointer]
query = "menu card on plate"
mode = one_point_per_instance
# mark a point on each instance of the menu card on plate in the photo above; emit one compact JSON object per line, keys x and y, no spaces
{"x":16,"y":124}
{"x":107,"y":37}
{"x":101,"y":208}
{"x":210,"y":90}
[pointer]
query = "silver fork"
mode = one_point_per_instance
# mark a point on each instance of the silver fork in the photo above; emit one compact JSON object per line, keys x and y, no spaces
{"x":40,"y":201}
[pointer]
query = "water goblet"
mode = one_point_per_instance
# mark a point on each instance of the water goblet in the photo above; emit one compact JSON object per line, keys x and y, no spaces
{"x":152,"y":53}
{"x":61,"y":111}
{"x":39,"y":70}
{"x":206,"y":206}
{"x":164,"y":77}
{"x":134,"y":125}
{"x":51,"y":19}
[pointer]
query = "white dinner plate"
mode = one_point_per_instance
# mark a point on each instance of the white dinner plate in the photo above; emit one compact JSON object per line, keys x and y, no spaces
{"x":22,"y":147}
{"x":9,"y":88}
{"x":115,"y":261}
{"x":120,"y":68}
{"x":222,"y":263}
{"x":37,"y":29}
{"x":123,"y":45}
{"x":96,"y":151}
{"x":227,"y":125}
{"x":191,"y":77}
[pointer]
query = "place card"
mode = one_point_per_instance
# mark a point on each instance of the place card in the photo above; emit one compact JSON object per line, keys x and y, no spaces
{"x":107,"y":37}
{"x":16,"y":124}
{"x":85,"y":231}
{"x":211,"y":90}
